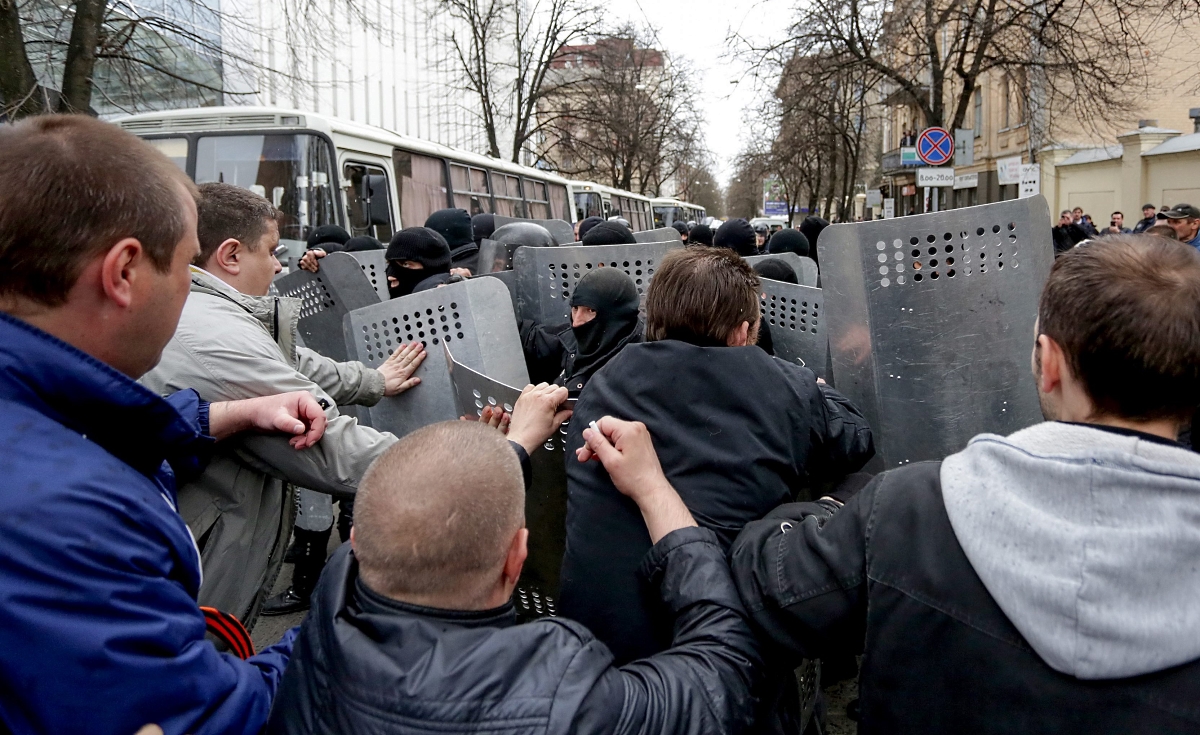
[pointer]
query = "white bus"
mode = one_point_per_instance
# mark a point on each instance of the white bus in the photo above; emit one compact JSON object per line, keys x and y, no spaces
{"x":321,"y":170}
{"x":668,"y":211}
{"x":598,"y":200}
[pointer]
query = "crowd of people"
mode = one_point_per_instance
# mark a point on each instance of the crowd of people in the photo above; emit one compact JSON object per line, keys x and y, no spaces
{"x":719,"y":530}
{"x":1181,"y":222}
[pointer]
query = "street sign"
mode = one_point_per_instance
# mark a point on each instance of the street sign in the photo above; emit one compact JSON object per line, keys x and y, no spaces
{"x":935,"y":146}
{"x":1031,"y":180}
{"x":935,"y":177}
{"x":909,"y":157}
{"x":966,"y":181}
{"x":1008,"y":170}
{"x":874,"y":197}
{"x":964,"y":147}
{"x":889,"y":208}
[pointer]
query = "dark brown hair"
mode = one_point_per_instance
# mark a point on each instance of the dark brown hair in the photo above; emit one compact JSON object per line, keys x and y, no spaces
{"x":701,"y":295}
{"x":1126,"y":311}
{"x":72,"y":187}
{"x":224,"y":212}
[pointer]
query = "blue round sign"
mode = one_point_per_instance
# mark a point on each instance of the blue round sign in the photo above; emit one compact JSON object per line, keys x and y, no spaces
{"x":935,"y":146}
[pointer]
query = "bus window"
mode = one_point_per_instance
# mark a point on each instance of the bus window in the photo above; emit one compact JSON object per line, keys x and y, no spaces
{"x":539,"y":203}
{"x":560,"y":202}
{"x":422,"y":186}
{"x":175,"y":149}
{"x":470,"y":189}
{"x":509,"y":201}
{"x":588,"y":204}
{"x":293,"y":170}
{"x":368,"y":202}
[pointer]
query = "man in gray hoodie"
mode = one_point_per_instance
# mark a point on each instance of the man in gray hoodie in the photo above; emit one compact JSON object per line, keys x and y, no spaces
{"x":234,"y":341}
{"x":1048,"y":581}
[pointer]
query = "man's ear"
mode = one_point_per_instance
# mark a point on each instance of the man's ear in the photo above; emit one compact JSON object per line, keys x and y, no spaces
{"x":518,"y":551}
{"x":118,"y":270}
{"x":228,"y":257}
{"x":1053,"y":363}
{"x":739,"y":337}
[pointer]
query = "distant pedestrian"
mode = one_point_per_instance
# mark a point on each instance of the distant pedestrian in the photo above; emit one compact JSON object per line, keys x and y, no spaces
{"x":1148,"y":218}
{"x":1116,"y":225}
{"x":1067,"y":234}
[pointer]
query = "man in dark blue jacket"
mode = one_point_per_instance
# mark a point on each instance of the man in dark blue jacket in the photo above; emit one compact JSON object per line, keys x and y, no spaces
{"x":99,"y":626}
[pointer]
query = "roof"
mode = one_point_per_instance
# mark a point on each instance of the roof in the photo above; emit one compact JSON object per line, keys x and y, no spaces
{"x":1094,"y":155}
{"x":1180,"y":144}
{"x":1150,"y":130}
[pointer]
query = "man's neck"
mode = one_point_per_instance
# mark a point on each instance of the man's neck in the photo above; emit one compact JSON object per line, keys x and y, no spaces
{"x":1164,"y":428}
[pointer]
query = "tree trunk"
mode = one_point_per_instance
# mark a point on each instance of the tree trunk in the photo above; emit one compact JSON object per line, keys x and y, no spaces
{"x":81,"y":57}
{"x":22,"y":94}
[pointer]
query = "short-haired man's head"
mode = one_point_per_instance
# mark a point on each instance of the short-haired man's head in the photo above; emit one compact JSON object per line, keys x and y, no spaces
{"x":701,"y":295}
{"x":228,"y":212}
{"x":73,"y":187}
{"x":1126,"y":312}
{"x":436,"y":513}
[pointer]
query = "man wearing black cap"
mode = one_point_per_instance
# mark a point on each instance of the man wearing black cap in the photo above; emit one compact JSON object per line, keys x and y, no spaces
{"x":418,"y":259}
{"x":609,"y":233}
{"x":1185,"y":220}
{"x":454,"y":225}
{"x":1149,"y":217}
{"x":483,"y":225}
{"x":788,"y":240}
{"x":700,"y":235}
{"x":330,"y":238}
{"x":682,"y":229}
{"x":738,"y":236}
{"x":586,"y":226}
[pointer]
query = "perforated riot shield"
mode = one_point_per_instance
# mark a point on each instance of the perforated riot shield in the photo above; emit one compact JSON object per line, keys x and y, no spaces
{"x":495,"y":256}
{"x":374,"y":267}
{"x":931,"y":320}
{"x":475,"y":317}
{"x":547,"y":276}
{"x":337,"y":288}
{"x":560,"y":230}
{"x":546,"y":502}
{"x":662,"y":234}
{"x":509,"y":279}
{"x":797,"y":321}
{"x":806,"y":268}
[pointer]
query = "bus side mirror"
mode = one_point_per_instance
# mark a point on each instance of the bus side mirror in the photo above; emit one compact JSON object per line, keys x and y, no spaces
{"x":375,"y":197}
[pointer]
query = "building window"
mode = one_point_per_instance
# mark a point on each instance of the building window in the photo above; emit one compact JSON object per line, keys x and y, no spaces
{"x":1006,"y":92}
{"x":978,"y":113}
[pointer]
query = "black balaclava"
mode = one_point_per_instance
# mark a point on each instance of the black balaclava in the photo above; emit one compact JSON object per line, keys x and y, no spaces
{"x":330,"y":238}
{"x":776,"y":270}
{"x":615,"y":298}
{"x":483,"y":226}
{"x":811,"y":227}
{"x":454,"y":225}
{"x":586,"y":226}
{"x":362,"y":243}
{"x":609,"y":233}
{"x":421,"y":245}
{"x":788,"y":241}
{"x":700,"y":235}
{"x":682,"y":229}
{"x":738,"y":236}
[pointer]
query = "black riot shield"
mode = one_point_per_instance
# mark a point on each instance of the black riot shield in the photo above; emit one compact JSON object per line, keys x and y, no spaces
{"x":797,"y":321}
{"x":338,"y":287}
{"x":806,"y":268}
{"x":496,"y":256}
{"x":547,"y":276}
{"x":662,"y":234}
{"x":546,"y":502}
{"x":474,"y":317}
{"x":560,"y":230}
{"x":931,"y":319}
{"x":374,"y":267}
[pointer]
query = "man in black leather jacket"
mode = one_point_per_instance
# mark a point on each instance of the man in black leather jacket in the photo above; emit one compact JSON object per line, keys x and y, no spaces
{"x":1041,"y":582}
{"x":412,"y":628}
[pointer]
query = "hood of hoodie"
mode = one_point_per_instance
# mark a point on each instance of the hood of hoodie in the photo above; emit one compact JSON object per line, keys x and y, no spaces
{"x":1088,"y":540}
{"x":279,"y":315}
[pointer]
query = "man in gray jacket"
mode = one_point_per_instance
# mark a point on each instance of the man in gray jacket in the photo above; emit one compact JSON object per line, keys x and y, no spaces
{"x":233,"y":341}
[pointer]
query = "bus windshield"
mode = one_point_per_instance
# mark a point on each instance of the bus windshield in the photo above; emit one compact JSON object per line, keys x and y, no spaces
{"x":293,"y":170}
{"x":664,"y":216}
{"x":588,"y":204}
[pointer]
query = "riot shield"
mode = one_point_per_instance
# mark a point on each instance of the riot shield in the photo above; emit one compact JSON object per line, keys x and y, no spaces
{"x":797,"y":323}
{"x":806,"y":268}
{"x":495,"y":256}
{"x":337,"y":288}
{"x":560,"y":230}
{"x":662,"y":234}
{"x":374,"y":267}
{"x":547,"y":276}
{"x":546,"y":502}
{"x":475,"y":317}
{"x":509,"y":279}
{"x":930,"y":321}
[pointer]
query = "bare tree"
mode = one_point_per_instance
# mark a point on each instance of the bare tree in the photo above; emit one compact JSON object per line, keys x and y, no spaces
{"x":505,"y":51}
{"x":626,"y":119}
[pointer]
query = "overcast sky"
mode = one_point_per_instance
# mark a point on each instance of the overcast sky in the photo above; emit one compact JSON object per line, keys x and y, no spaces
{"x":696,"y":30}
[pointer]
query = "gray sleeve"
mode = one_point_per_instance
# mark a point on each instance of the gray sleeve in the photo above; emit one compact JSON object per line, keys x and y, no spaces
{"x":347,"y":383}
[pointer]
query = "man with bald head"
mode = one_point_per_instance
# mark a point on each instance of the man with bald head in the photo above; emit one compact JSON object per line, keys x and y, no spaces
{"x":414,"y":626}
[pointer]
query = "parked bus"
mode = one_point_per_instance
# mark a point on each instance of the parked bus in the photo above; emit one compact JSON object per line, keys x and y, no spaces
{"x":598,"y":200}
{"x":668,"y":211}
{"x":321,"y":170}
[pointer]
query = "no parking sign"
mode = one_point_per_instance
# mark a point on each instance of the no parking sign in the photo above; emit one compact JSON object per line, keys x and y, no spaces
{"x":935,"y":146}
